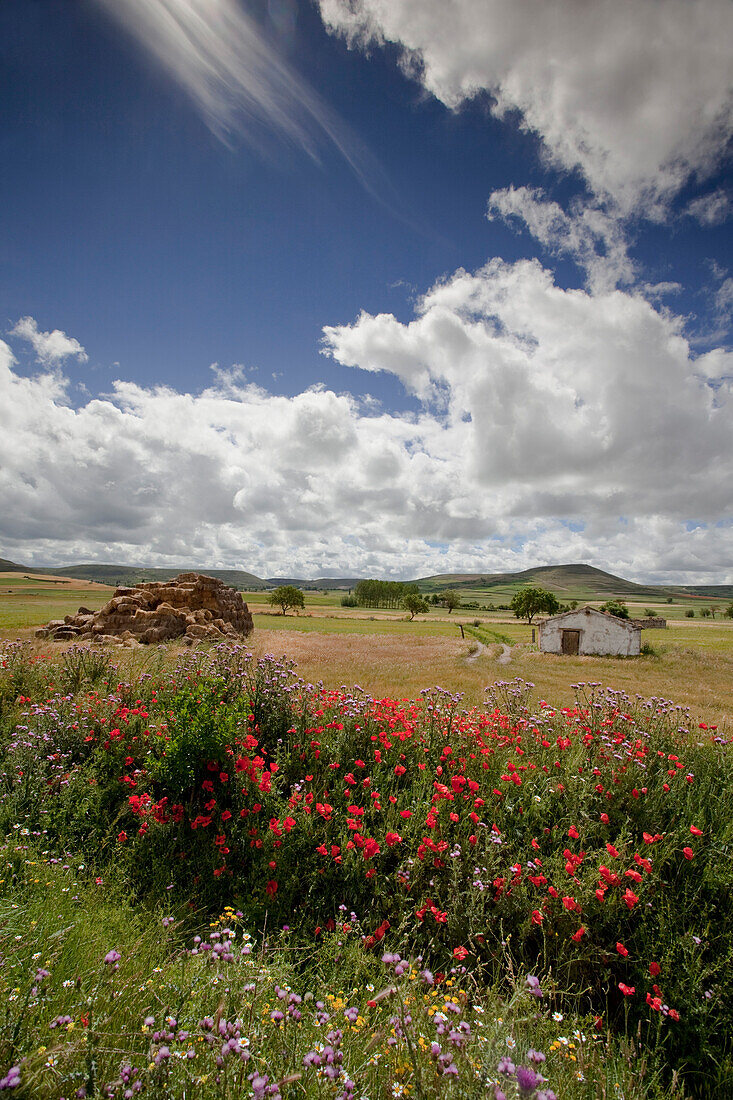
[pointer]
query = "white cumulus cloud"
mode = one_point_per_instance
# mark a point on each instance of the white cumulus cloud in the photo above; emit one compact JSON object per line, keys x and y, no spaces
{"x":634,"y":94}
{"x":711,"y":209}
{"x":51,"y":348}
{"x":589,"y":235}
{"x":562,"y":403}
{"x":556,"y":425}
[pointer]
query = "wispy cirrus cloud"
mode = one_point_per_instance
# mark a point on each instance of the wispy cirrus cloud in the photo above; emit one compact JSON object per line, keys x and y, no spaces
{"x":237,"y":79}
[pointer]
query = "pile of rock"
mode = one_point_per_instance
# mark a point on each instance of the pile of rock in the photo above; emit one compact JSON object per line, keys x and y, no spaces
{"x":190,"y":607}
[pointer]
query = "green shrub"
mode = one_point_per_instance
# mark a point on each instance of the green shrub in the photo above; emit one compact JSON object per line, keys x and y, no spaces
{"x":83,"y":666}
{"x":585,"y":845}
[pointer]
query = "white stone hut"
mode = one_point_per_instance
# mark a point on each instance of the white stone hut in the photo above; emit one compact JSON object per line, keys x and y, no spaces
{"x":589,"y":632}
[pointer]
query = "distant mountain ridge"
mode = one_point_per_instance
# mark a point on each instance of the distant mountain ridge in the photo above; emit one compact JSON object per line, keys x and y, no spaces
{"x":574,"y":581}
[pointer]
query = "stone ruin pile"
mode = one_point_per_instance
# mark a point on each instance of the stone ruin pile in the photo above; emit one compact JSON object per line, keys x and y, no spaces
{"x":191,"y":607}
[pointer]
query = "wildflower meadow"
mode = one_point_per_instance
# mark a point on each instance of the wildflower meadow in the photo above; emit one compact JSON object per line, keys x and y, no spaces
{"x":220,"y":880}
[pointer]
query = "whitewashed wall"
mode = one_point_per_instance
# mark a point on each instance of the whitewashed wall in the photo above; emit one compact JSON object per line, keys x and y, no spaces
{"x":600,"y":635}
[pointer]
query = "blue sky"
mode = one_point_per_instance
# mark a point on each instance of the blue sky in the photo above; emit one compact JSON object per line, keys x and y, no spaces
{"x":386,"y":289}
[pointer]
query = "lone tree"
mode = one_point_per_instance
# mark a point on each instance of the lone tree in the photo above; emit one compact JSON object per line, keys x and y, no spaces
{"x":615,"y":607}
{"x":415,"y":604}
{"x":287,"y":595}
{"x":528,"y":601}
{"x":450,"y":599}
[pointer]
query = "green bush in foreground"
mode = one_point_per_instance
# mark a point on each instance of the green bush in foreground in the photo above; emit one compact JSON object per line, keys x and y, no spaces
{"x":586,"y":848}
{"x":103,"y":999}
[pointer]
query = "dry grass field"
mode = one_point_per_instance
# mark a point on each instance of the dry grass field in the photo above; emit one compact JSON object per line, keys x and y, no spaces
{"x":698,"y":673}
{"x":691,"y":662}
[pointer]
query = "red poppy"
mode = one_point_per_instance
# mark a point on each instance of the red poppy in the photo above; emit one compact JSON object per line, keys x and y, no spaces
{"x":371,"y":848}
{"x":627,"y":990}
{"x":688,"y":853}
{"x":622,"y":950}
{"x":271,"y":888}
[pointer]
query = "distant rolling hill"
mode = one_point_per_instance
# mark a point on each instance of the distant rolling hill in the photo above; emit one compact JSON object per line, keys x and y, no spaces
{"x":10,"y":567}
{"x":116,"y":575}
{"x":568,"y":582}
{"x":703,"y":590}
{"x":321,"y":584}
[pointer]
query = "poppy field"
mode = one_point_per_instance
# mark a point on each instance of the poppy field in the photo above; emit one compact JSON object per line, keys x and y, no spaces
{"x":222,"y":880}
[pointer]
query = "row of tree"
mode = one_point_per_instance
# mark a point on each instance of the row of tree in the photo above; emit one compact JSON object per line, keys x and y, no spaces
{"x":712,"y":611}
{"x":383,"y":593}
{"x":526,"y":603}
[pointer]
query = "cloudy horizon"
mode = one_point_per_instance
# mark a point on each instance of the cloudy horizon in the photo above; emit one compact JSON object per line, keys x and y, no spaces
{"x":370,"y":290}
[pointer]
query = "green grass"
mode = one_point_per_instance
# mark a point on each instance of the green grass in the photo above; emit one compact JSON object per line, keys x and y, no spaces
{"x":64,"y":922}
{"x":31,"y":601}
{"x":711,"y":635}
{"x":418,"y":628}
{"x":34,"y":607}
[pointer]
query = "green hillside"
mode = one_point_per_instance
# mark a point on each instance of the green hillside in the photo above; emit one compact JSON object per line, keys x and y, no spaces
{"x":702,"y":590}
{"x":321,"y":584}
{"x":116,"y":575}
{"x":578,"y":582}
{"x":568,"y":582}
{"x":10,"y":567}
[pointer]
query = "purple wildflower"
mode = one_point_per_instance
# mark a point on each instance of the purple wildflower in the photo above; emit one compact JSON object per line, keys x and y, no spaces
{"x":533,"y":985}
{"x":527,"y":1080}
{"x":11,"y":1080}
